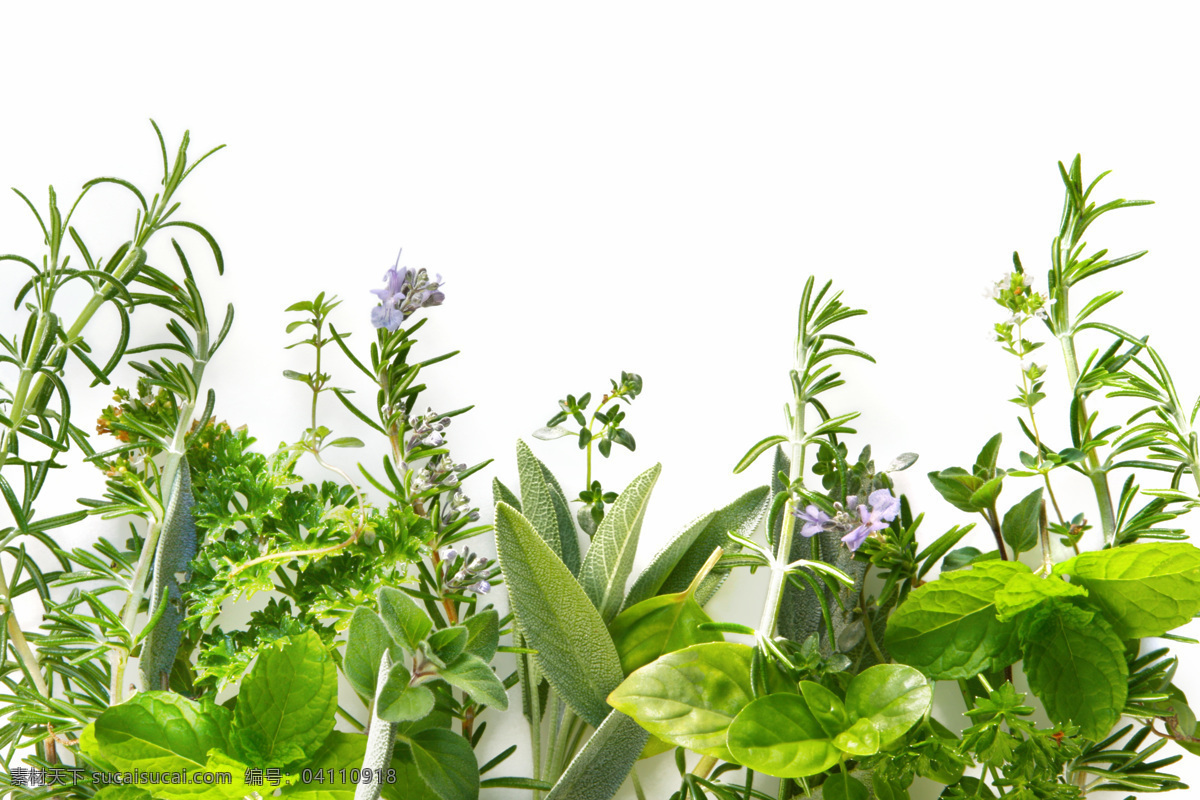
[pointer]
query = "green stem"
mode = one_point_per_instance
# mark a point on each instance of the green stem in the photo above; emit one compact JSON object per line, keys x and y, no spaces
{"x":637,"y":784}
{"x":1095,"y":473}
{"x":783,"y":551}
{"x":535,"y":706}
{"x":17,"y":637}
{"x":704,"y":766}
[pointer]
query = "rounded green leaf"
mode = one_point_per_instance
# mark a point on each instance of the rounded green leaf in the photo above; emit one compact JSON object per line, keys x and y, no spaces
{"x":894,"y":697}
{"x":779,"y":735}
{"x":366,"y":642}
{"x":689,"y":697}
{"x":860,"y":739}
{"x":399,"y":702}
{"x":826,"y":707}
{"x":1146,"y":589}
{"x":658,"y":626}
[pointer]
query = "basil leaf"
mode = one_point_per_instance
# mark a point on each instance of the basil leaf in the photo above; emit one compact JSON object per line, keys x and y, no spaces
{"x":689,"y":697}
{"x":892,"y":696}
{"x":780,"y":736}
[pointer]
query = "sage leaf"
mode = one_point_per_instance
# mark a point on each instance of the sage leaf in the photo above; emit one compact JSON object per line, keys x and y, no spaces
{"x":483,"y":633}
{"x":1076,"y":666}
{"x":609,"y":559}
{"x":397,"y":701}
{"x":673,"y":568}
{"x":176,"y":548}
{"x":689,"y":697}
{"x":366,"y":641}
{"x":599,"y":769}
{"x":536,"y":503}
{"x":893,"y":697}
{"x":556,"y":618}
{"x":475,"y":677}
{"x":286,"y":704}
{"x":778,"y":735}
{"x":445,"y":763}
{"x":502,"y":494}
{"x":1146,"y":589}
{"x":1026,"y":590}
{"x":405,"y":620}
{"x":948,"y":628}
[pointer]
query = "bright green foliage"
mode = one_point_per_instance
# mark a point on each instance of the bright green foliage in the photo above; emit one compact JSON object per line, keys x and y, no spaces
{"x":1076,"y":665}
{"x":286,"y":705}
{"x":1025,"y":590}
{"x":1145,"y":589}
{"x":659,"y":625}
{"x":948,"y":628}
{"x":795,"y":736}
{"x":690,"y":697}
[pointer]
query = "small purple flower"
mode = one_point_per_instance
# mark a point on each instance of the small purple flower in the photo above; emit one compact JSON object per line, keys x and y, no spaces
{"x":406,"y":291}
{"x":814,"y":520}
{"x":884,"y":508}
{"x":480,"y":587}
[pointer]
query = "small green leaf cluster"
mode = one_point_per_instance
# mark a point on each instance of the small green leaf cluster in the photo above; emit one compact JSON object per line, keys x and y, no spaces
{"x":610,"y":417}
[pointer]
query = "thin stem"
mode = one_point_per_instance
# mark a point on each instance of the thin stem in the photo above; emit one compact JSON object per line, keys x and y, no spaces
{"x":783,"y":550}
{"x":704,"y":766}
{"x":637,"y":784}
{"x":1095,"y":473}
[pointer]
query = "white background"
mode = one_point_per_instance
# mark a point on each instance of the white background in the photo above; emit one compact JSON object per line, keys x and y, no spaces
{"x":634,"y":186}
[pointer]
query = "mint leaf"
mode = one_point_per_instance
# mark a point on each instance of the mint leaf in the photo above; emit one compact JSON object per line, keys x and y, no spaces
{"x":1026,"y":590}
{"x":1076,"y":665}
{"x":1146,"y":589}
{"x":286,"y":705}
{"x":948,"y":628}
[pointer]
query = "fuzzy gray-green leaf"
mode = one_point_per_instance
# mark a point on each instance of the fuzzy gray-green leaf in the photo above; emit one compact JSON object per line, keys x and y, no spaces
{"x":556,"y":618}
{"x":609,"y":560}
{"x":536,"y":503}
{"x":741,"y":517}
{"x":599,"y":769}
{"x":176,"y":548}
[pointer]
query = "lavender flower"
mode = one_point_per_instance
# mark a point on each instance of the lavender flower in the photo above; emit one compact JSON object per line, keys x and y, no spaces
{"x":884,"y":508}
{"x":815,"y":520}
{"x":406,"y":291}
{"x":480,"y":587}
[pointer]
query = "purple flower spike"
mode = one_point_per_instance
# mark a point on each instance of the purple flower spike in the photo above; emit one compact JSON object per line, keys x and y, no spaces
{"x":406,"y":291}
{"x":814,"y":520}
{"x":884,"y":508}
